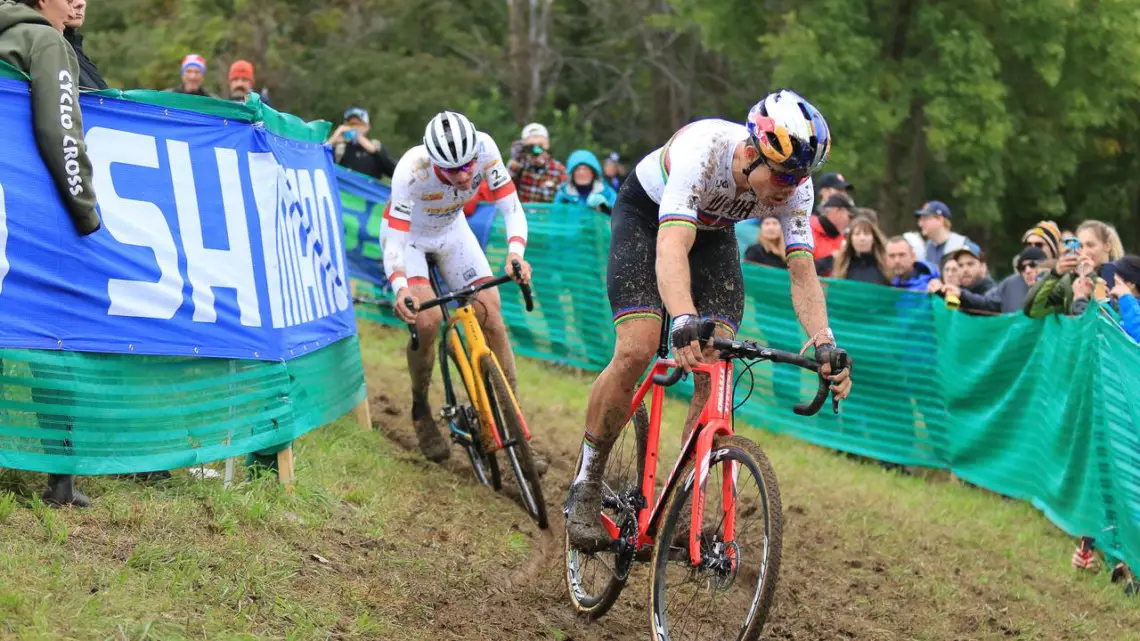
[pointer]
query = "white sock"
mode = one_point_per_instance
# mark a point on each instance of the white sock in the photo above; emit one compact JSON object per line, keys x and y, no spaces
{"x":589,"y":451}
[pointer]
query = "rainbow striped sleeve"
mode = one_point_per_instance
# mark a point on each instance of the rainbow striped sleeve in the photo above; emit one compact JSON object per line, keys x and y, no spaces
{"x":671,"y":220}
{"x":798,"y":250}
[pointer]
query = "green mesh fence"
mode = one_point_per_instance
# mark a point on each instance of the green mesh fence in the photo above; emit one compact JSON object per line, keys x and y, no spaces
{"x":83,"y":413}
{"x":1044,"y":411}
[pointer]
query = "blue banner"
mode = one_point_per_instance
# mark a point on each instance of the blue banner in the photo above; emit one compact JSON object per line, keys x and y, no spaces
{"x":362,"y":200}
{"x":219,"y":238}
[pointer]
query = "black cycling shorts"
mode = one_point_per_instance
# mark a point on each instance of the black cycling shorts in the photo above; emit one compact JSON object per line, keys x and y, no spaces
{"x":631,"y":277}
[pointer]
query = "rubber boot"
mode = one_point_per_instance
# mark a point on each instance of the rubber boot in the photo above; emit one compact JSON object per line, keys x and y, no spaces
{"x":61,"y":491}
{"x":583,"y":523}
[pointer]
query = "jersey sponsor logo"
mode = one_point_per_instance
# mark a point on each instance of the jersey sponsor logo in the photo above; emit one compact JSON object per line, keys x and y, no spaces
{"x":435,"y":196}
{"x":402,"y":209}
{"x":725,"y":207}
{"x":441,"y":211}
{"x":470,"y":274}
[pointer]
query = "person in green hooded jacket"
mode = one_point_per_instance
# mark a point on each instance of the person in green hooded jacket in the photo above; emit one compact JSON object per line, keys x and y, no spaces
{"x":31,"y":39}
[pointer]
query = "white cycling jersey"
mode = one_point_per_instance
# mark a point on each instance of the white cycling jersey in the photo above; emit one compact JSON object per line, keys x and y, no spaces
{"x":690,"y":178}
{"x":425,"y":216}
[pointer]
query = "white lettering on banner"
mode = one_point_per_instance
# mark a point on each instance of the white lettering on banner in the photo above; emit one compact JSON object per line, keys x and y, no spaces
{"x":304,"y":283}
{"x":209,"y":268}
{"x":135,"y":222}
{"x":332,"y":231}
{"x":3,"y":239}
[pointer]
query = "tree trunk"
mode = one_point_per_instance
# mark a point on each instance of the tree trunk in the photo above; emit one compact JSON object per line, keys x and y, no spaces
{"x":529,"y":52}
{"x":899,"y":152}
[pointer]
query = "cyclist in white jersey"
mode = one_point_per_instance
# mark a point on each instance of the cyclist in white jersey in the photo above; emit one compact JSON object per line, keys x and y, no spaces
{"x":424,"y":218}
{"x":674,"y":250}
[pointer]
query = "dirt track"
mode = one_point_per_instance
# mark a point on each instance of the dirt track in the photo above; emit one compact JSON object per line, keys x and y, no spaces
{"x":867,"y":554}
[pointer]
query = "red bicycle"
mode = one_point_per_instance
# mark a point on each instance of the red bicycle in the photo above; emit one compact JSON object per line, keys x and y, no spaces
{"x":734,"y":543}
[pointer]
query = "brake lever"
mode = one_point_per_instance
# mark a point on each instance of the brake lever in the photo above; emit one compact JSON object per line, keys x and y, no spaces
{"x":411,"y":304}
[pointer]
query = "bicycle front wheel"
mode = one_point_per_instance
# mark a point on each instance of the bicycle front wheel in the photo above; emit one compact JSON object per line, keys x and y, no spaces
{"x":508,"y":422}
{"x":727,"y":595}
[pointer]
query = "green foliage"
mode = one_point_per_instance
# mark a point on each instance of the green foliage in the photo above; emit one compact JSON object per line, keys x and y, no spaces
{"x":1010,"y":111}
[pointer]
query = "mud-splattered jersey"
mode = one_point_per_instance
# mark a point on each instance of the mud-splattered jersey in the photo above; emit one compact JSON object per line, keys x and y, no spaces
{"x":690,"y":178}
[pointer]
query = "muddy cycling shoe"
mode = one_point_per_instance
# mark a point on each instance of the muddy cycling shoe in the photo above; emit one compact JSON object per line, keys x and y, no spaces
{"x":583,"y":525}
{"x":61,"y":491}
{"x":432,"y":444}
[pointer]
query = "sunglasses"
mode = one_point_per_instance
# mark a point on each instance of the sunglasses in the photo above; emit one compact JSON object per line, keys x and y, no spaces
{"x":780,"y":178}
{"x":451,"y":171}
{"x":1038,"y":244}
{"x":537,"y":150}
{"x":1029,"y":264}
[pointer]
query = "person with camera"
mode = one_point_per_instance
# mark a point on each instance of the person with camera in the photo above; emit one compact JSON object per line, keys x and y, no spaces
{"x":536,"y":173}
{"x":1088,"y":260}
{"x":352,"y":148}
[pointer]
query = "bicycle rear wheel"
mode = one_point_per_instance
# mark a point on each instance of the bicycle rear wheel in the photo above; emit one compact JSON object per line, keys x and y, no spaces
{"x":596,"y":580}
{"x":464,"y":427}
{"x":728,"y":595}
{"x":508,"y":422}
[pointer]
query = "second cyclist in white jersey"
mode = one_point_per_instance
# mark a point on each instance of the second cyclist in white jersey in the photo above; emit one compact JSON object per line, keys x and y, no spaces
{"x":424,"y":218}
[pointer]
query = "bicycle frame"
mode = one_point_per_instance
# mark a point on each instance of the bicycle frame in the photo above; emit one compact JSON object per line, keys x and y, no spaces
{"x":714,"y":420}
{"x":468,"y":358}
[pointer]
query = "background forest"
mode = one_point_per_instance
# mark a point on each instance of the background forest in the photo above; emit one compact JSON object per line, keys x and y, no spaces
{"x":1010,"y":111}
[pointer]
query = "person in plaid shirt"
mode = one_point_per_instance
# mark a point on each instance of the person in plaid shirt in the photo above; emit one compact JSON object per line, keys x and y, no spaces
{"x":535,"y":173}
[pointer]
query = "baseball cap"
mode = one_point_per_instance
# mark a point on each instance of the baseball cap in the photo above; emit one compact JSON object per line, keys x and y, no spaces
{"x":1030,"y":253}
{"x":194,"y":60}
{"x":838,"y":200}
{"x":535,"y":129}
{"x":357,"y":112}
{"x":971,"y":249}
{"x":242,"y":69}
{"x":834,"y":180}
{"x":1128,"y":268}
{"x":934,"y":208}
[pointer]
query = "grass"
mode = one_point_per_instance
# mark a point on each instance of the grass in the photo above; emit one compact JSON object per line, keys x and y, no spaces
{"x":377,"y":544}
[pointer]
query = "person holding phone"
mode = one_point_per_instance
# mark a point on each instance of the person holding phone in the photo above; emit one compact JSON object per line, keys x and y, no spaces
{"x":352,"y":148}
{"x":1054,"y":294}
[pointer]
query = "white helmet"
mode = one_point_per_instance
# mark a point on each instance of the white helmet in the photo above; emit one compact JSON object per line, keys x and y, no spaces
{"x":450,"y":140}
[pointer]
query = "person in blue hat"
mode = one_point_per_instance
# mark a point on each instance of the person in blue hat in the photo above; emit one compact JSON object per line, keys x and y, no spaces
{"x":935,"y":222}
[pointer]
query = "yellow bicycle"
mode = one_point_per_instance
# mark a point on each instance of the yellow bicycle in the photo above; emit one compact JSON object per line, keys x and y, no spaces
{"x":483,"y":415}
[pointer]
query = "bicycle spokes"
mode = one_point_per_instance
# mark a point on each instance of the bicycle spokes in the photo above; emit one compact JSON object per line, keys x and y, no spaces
{"x":726,"y":594}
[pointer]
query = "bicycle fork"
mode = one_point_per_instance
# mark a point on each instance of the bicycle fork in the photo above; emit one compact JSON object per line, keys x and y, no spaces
{"x":716,"y":417}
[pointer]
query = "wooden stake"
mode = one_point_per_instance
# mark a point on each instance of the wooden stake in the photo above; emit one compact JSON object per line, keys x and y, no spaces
{"x":285,"y":468}
{"x":363,"y":414}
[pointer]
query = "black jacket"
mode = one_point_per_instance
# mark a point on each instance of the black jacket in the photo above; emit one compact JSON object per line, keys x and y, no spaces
{"x":353,"y":156}
{"x":757,"y":254}
{"x":865,"y":269}
{"x":982,"y":286}
{"x":89,"y":76}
